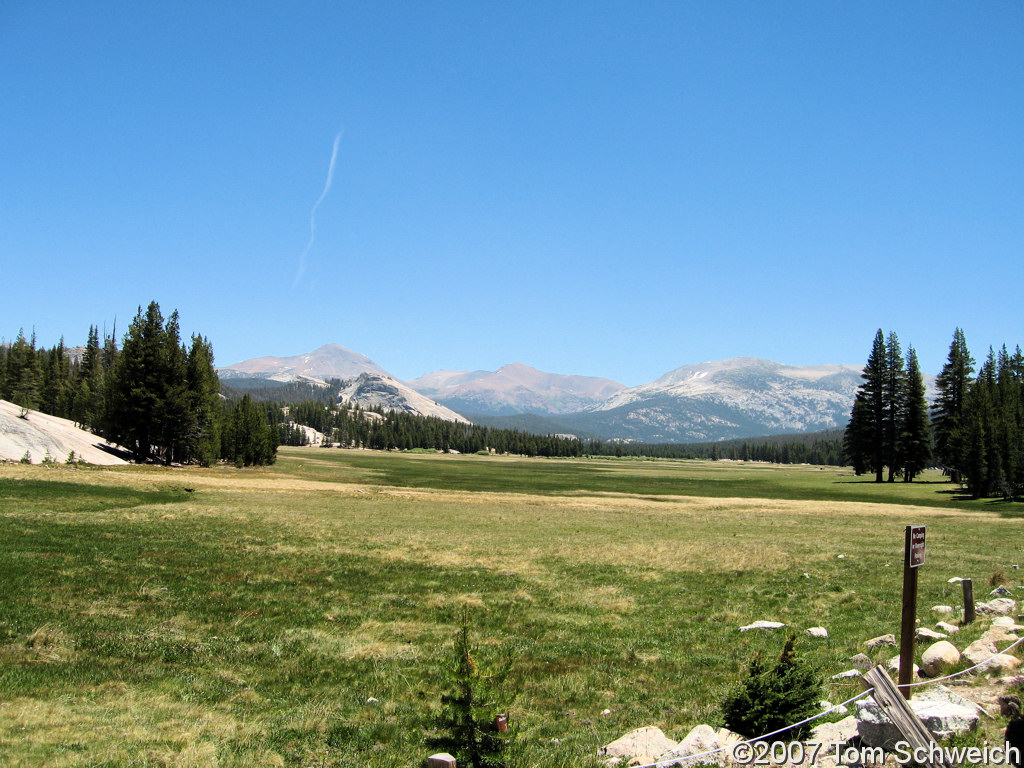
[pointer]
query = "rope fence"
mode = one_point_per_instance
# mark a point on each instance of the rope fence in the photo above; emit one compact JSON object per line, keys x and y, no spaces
{"x":690,"y":758}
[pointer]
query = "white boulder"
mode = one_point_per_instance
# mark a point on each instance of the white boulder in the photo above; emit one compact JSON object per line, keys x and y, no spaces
{"x":882,"y":640}
{"x":894,"y":667}
{"x":699,"y":741}
{"x":761,"y":624}
{"x":848,"y":674}
{"x":835,"y":733}
{"x":644,"y":744}
{"x":939,"y":657}
{"x":1001,"y":606}
{"x":942,"y":718}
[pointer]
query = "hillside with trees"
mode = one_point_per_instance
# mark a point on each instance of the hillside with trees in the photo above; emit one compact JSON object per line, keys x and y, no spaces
{"x":152,"y":394}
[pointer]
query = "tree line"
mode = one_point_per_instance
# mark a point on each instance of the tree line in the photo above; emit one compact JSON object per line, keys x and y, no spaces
{"x":353,"y":426}
{"x":974,"y":430}
{"x":152,"y":394}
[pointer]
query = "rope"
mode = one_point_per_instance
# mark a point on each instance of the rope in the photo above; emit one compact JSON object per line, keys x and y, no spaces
{"x":678,"y":760}
{"x":689,"y":758}
{"x":963,"y":671}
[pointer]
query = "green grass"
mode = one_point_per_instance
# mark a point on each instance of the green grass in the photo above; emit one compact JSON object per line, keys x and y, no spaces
{"x":248,"y":622}
{"x":634,"y":477}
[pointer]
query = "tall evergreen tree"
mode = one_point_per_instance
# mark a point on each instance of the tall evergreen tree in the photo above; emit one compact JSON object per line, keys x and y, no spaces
{"x":146,"y":407}
{"x":894,"y":386}
{"x":865,"y":434}
{"x":916,"y":438}
{"x":204,"y":395}
{"x":951,"y":386}
{"x":22,"y":379}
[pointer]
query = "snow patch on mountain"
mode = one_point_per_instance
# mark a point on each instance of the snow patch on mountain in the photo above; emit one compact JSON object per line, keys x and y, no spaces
{"x":331,"y":361}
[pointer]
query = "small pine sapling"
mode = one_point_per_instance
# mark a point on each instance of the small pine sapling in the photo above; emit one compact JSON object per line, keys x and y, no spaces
{"x":774,"y":697}
{"x":467,"y":727}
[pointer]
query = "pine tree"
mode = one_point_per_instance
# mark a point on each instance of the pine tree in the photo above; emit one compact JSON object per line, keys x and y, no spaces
{"x":951,"y":386}
{"x":22,"y":378}
{"x":204,"y":402}
{"x":135,"y":395}
{"x":252,"y":441}
{"x":466,"y":723}
{"x":857,"y":444}
{"x":916,"y":438}
{"x":894,"y":394}
{"x":774,"y":697}
{"x":865,"y":434}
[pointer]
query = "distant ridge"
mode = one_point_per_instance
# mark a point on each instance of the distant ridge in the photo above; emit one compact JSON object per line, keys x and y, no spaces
{"x":514,"y":389}
{"x":331,"y":361}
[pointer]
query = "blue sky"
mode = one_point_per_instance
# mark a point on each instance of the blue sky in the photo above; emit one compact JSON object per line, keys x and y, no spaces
{"x":611,"y":189}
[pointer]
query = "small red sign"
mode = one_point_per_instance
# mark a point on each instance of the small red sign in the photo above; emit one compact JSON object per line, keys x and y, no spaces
{"x":916,"y":545}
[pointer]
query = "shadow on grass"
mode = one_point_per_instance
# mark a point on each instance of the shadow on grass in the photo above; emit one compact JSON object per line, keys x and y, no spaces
{"x":82,"y":497}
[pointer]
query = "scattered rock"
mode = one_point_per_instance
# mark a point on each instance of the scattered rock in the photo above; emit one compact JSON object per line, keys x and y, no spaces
{"x":894,"y":667}
{"x":372,"y":700}
{"x":850,"y":673}
{"x":1006,"y":624}
{"x":878,"y":642}
{"x":699,"y":741}
{"x":606,"y":712}
{"x":949,"y":629}
{"x":923,"y":633}
{"x":832,"y":709}
{"x":835,"y":733}
{"x":1000,"y":591}
{"x":862,"y":661}
{"x":1001,"y":663}
{"x":841,"y":557}
{"x":1001,"y":606}
{"x":979,"y":650}
{"x":817,"y":632}
{"x":942,"y":693}
{"x":939,"y":657}
{"x":645,"y":744}
{"x":763,"y":625}
{"x":942,"y":609}
{"x":999,"y":635}
{"x":942,"y":718}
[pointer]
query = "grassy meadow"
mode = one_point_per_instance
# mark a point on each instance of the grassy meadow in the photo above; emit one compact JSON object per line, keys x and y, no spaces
{"x":186,"y":617}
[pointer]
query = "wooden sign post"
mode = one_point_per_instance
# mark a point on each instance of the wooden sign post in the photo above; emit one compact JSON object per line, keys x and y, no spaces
{"x":913,"y":558}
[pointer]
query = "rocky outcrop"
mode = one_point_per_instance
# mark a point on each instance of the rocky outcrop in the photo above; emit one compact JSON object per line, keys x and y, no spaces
{"x":372,"y":390}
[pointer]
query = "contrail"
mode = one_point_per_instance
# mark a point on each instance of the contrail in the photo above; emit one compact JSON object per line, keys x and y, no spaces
{"x":312,"y":214}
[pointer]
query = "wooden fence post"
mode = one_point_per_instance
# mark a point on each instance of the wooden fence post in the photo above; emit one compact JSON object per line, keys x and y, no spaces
{"x":898,"y":710}
{"x":968,"y":586}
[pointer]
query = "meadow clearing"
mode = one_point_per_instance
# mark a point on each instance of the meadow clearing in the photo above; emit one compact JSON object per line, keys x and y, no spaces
{"x":221,"y":617}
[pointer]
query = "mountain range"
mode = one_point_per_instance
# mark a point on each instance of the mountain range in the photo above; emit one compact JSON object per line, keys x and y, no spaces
{"x":515,"y":388}
{"x":734,"y":398}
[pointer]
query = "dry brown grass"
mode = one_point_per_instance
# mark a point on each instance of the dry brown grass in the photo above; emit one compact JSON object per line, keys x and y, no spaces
{"x":114,"y":723}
